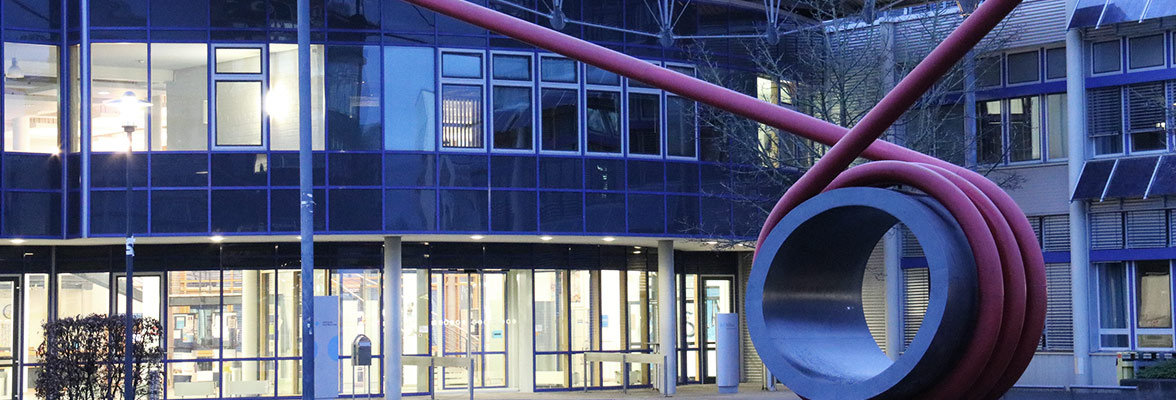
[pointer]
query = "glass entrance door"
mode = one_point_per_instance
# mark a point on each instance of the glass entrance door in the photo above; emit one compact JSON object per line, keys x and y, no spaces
{"x":9,"y":342}
{"x":703,"y":298}
{"x":717,"y":299}
{"x":469,"y":320}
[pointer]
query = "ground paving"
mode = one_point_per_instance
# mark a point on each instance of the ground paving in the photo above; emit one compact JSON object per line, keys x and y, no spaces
{"x":746,"y":392}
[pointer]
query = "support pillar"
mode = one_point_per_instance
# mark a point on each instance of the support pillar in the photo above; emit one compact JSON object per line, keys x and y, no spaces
{"x":667,"y":320}
{"x":250,"y":318}
{"x":1079,"y":235}
{"x":392,"y":329}
{"x":892,"y":256}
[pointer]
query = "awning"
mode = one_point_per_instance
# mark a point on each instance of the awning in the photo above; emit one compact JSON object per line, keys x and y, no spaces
{"x":1138,"y":177}
{"x":1098,"y":13}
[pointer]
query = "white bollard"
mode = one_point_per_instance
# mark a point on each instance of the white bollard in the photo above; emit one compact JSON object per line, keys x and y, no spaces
{"x":727,"y":352}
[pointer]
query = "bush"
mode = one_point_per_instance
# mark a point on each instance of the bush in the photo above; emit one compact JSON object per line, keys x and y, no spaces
{"x":82,"y":358}
{"x":1163,"y":370}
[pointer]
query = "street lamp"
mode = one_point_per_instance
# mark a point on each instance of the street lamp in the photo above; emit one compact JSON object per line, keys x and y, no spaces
{"x":130,"y":112}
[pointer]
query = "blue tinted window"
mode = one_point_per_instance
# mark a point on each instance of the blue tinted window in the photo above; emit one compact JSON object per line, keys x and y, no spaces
{"x":682,"y":215}
{"x":512,"y":210}
{"x":603,"y":121}
{"x":1145,"y":51}
{"x":463,"y":171}
{"x":1055,"y":63}
{"x":354,"y":169}
{"x":355,"y":210}
{"x":512,"y":67}
{"x":560,"y":173}
{"x":285,"y":169}
{"x":284,"y":13}
{"x":409,"y":170}
{"x":177,"y":170}
{"x":401,"y":16}
{"x":353,"y":14}
{"x":715,"y":179}
{"x":750,"y":216}
{"x":561,"y":119}
{"x":409,"y":98}
{"x":108,"y":211}
{"x":463,"y":210}
{"x":680,"y":127}
{"x":605,"y":212}
{"x":410,"y":210}
{"x":558,"y":70}
{"x":1024,"y":67}
{"x":715,"y":214}
{"x":512,"y":118}
{"x":109,"y":169}
{"x":238,"y":14}
{"x":43,"y":15}
{"x":647,"y":213}
{"x":512,"y":172}
{"x":177,"y":14}
{"x":461,"y":65}
{"x":1106,"y":56}
{"x":644,"y":124}
{"x":32,"y":214}
{"x":353,"y":98}
{"x":597,"y":76}
{"x":119,"y":12}
{"x":240,"y":169}
{"x":646,"y":176}
{"x":32,"y":171}
{"x":561,"y":212}
{"x":239,"y":210}
{"x":605,"y":174}
{"x":284,"y":210}
{"x":177,"y":211}
{"x":682,"y":177}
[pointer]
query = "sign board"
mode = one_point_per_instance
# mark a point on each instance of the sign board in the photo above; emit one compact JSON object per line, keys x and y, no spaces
{"x":326,"y":347}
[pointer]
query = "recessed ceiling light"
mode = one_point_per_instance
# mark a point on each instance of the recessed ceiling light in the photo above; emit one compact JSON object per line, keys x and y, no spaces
{"x":636,"y":251}
{"x":712,"y":242}
{"x":17,"y":241}
{"x":545,"y":238}
{"x":608,"y":238}
{"x":477,"y":237}
{"x":740,"y":245}
{"x":217,"y":238}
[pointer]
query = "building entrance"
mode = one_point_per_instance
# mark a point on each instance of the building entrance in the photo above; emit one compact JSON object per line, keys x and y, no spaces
{"x":469,"y":320}
{"x":9,"y":341}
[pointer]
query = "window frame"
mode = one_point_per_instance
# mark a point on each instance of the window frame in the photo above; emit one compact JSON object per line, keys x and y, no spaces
{"x":1118,"y":70}
{"x":442,"y":81}
{"x":1133,"y":323}
{"x":666,"y":112}
{"x":489,"y":94}
{"x":1131,"y":302}
{"x":1163,"y":47}
{"x":1045,"y":65}
{"x":576,"y":86}
{"x":215,"y":78}
{"x":629,"y":90}
{"x":1007,"y":67}
{"x":622,"y":108}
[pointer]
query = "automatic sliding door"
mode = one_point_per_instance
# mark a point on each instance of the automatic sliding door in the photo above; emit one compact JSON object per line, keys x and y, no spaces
{"x":9,"y":342}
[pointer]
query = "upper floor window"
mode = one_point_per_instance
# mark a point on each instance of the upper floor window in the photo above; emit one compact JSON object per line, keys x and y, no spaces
{"x":1021,"y":129}
{"x":559,"y":105}
{"x":1106,"y":56}
{"x":1055,"y":63}
{"x":988,"y":71}
{"x":238,"y":91}
{"x":31,"y":100}
{"x":462,"y":100}
{"x":1145,"y":51}
{"x":1142,"y":111}
{"x":511,"y":98}
{"x":1104,"y":119}
{"x":1024,"y":67}
{"x":410,"y":100}
{"x":602,"y":111}
{"x":1146,"y":116}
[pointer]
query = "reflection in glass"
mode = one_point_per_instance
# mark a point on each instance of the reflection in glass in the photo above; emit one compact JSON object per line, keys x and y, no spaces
{"x":680,"y":127}
{"x":281,"y":100}
{"x":989,"y":146}
{"x":115,"y":68}
{"x":461,"y":116}
{"x":179,"y":96}
{"x":461,"y":65}
{"x":644,"y":124}
{"x":603,"y":120}
{"x":148,"y":300}
{"x":558,"y":70}
{"x":1024,"y":129}
{"x":248,"y":378}
{"x":512,"y":117}
{"x":409,"y":99}
{"x":353,"y":97}
{"x":1154,"y":295}
{"x":561,"y":122}
{"x":512,"y":67}
{"x":193,"y":380}
{"x":194,"y":314}
{"x":1056,"y":125}
{"x":31,"y":98}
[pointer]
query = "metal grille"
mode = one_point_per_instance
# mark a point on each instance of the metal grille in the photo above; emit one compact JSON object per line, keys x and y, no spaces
{"x":910,"y":245}
{"x":1035,"y":222}
{"x":874,"y":294}
{"x":1055,"y":233}
{"x":1059,"y":317}
{"x":916,"y":284}
{"x":1106,"y":231}
{"x":752,"y":365}
{"x":1104,"y":112}
{"x":1172,"y":225}
{"x":1146,"y":229}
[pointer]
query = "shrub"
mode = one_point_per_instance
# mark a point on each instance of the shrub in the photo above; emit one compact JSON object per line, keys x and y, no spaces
{"x":82,"y":358}
{"x":1163,"y":370}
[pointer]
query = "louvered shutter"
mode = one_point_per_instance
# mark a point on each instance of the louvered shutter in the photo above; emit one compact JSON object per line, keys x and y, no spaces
{"x":874,"y":294}
{"x":1035,"y":223}
{"x":1056,"y":233}
{"x":1106,"y":231}
{"x":1146,"y":229}
{"x":752,"y":365}
{"x":910,"y":245}
{"x":1104,"y":112}
{"x":1059,"y":317}
{"x":1146,"y":106}
{"x":1172,"y":226}
{"x":916,"y":284}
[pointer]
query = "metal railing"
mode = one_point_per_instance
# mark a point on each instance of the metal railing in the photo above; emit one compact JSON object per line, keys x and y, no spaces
{"x":466,"y":363}
{"x":654,"y":359}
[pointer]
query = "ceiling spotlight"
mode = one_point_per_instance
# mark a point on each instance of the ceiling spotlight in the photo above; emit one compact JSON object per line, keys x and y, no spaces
{"x":636,"y":251}
{"x":17,"y":241}
{"x":545,"y":238}
{"x":14,"y":72}
{"x":608,"y":238}
{"x":712,"y":242}
{"x":477,"y":237}
{"x":217,"y":238}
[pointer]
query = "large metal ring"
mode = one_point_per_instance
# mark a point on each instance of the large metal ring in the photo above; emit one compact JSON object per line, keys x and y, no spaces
{"x":804,"y":296}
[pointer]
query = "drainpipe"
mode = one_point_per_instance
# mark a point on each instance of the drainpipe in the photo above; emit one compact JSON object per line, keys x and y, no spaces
{"x":1079,"y":230}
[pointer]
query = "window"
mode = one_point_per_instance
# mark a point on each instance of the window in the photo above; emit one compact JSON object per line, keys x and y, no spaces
{"x":1146,"y":116}
{"x":1105,"y":56}
{"x":989,"y":140}
{"x":551,"y":329}
{"x":82,"y":294}
{"x":1112,"y":306}
{"x":353,"y":98}
{"x":988,"y":72}
{"x":281,"y":101}
{"x":1055,"y":63}
{"x":1153,"y":302}
{"x":681,"y":127}
{"x":116,"y":68}
{"x":1024,"y":67}
{"x":30,"y":99}
{"x":410,"y":99}
{"x":462,"y":101}
{"x":1104,"y":119}
{"x":602,"y":111}
{"x":1024,"y":129}
{"x":560,"y":115}
{"x":553,"y":69}
{"x":1145,"y":287}
{"x":1145,"y":51}
{"x":644,"y":123}
{"x":1056,"y":125}
{"x":238,"y":93}
{"x":179,"y":96}
{"x":513,"y":114}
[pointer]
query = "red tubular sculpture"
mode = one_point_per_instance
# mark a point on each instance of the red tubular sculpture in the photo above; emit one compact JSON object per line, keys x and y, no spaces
{"x":1010,"y":268}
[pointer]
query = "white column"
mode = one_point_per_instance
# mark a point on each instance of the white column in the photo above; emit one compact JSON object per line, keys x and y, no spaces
{"x":667,"y":321}
{"x":1079,"y":237}
{"x":520,"y":301}
{"x":250,"y":315}
{"x":892,"y":250}
{"x":392,"y":330}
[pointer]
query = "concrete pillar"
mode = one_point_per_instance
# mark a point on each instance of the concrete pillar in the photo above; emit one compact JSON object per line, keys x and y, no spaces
{"x":1079,"y":237}
{"x":521,"y":330}
{"x":392,"y":329}
{"x":667,"y":320}
{"x":892,"y":250}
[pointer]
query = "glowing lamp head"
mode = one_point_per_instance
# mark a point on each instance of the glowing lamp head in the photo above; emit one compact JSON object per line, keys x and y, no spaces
{"x":130,"y":109}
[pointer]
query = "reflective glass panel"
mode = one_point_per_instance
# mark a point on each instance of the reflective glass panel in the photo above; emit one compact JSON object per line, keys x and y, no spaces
{"x":410,"y":121}
{"x":461,"y":65}
{"x":1153,"y":283}
{"x":680,"y":127}
{"x":989,"y":146}
{"x":1024,"y":129}
{"x":82,"y":294}
{"x":512,"y":67}
{"x":238,"y":60}
{"x":551,"y":317}
{"x":115,"y":69}
{"x":644,"y":124}
{"x":1105,"y":56}
{"x":461,"y":116}
{"x":281,"y":100}
{"x":31,"y":98}
{"x":1145,"y":51}
{"x":1056,"y":125}
{"x":195,"y":320}
{"x":558,"y":70}
{"x":561,"y":123}
{"x":603,"y":120}
{"x":512,"y":118}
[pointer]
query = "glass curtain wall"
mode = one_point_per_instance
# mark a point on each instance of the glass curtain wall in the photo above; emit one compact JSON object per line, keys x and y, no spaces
{"x":31,"y":99}
{"x":116,"y":68}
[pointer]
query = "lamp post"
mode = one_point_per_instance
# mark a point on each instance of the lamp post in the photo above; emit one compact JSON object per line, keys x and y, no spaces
{"x":130,"y":110}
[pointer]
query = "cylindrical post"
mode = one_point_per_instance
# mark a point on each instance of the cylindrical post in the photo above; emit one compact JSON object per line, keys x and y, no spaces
{"x":668,"y":321}
{"x":727,"y":352}
{"x":129,"y":349}
{"x":392,"y":328}
{"x":892,"y":255}
{"x":1076,"y":156}
{"x":306,"y":199}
